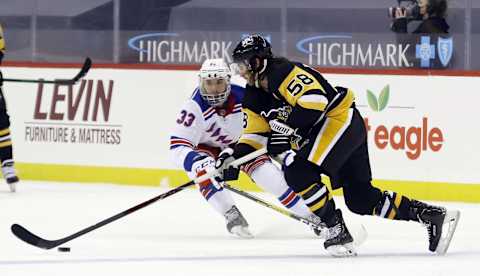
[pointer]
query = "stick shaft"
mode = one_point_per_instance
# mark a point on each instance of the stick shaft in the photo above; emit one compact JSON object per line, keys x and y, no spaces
{"x":83,"y":71}
{"x":274,"y":207}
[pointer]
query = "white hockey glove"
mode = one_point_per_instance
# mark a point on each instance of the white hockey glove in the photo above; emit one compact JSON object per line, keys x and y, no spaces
{"x":281,"y":128}
{"x":226,"y":171}
{"x":204,"y":166}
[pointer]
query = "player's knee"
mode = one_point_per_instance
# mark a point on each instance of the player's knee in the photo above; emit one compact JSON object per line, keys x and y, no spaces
{"x":301,"y":174}
{"x":251,"y":166}
{"x":358,"y":207}
{"x":361,"y":199}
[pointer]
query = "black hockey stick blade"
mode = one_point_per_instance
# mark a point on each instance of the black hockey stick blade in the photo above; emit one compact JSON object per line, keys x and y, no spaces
{"x":23,"y":234}
{"x":31,"y":238}
{"x":87,"y":64}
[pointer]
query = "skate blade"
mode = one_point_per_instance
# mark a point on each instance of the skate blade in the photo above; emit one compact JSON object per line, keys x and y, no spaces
{"x":342,"y":251}
{"x":241,"y":232}
{"x":359,"y":235}
{"x":449,"y":225}
{"x":358,"y":232}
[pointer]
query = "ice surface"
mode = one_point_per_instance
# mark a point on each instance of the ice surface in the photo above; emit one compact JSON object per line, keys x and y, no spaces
{"x":181,"y":235}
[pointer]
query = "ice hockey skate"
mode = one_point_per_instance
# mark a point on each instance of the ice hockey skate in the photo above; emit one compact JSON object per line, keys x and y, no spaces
{"x":10,"y":175}
{"x":236,"y":223}
{"x":440,"y":222}
{"x":339,"y":242}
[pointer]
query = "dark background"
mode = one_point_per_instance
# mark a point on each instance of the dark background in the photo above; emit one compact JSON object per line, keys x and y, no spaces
{"x":101,"y":29}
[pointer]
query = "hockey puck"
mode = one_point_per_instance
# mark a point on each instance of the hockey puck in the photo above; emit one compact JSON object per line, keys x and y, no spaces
{"x":64,"y":249}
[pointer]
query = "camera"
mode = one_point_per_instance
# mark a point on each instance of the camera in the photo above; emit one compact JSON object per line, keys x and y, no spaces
{"x":410,"y":7}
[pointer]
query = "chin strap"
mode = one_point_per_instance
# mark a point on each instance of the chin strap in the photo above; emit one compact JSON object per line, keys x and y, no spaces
{"x":257,"y":75}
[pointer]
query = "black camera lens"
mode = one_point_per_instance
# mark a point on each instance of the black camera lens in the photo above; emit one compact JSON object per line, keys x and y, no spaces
{"x":392,"y":11}
{"x":411,"y":10}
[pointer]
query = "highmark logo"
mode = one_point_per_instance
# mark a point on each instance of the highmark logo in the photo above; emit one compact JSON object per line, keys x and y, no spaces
{"x":425,"y":51}
{"x":445,"y":50}
{"x":413,"y":140}
{"x":339,"y":50}
{"x":170,"y":48}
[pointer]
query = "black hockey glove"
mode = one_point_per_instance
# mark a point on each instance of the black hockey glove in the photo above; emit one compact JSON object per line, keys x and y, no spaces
{"x":278,"y":143}
{"x":279,"y":139}
{"x":225,"y":171}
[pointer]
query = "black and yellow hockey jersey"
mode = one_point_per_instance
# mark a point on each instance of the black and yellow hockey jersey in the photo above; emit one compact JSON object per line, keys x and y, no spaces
{"x":2,"y":44}
{"x":297,"y":95}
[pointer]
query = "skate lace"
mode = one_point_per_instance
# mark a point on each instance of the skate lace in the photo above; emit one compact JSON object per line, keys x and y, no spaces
{"x":334,"y":230}
{"x":429,"y":229}
{"x":428,"y":225}
{"x":232,"y":215}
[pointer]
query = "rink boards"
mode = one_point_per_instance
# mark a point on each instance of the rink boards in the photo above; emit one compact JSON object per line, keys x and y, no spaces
{"x":114,"y":127}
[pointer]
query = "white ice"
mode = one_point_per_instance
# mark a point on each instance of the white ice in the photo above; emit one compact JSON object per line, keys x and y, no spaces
{"x":181,"y":235}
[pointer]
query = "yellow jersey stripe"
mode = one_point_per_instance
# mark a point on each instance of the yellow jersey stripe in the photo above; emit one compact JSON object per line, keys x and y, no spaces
{"x":2,"y":40}
{"x":328,"y":136}
{"x":343,"y":106}
{"x":255,"y":144}
{"x":315,"y":106}
{"x":255,"y":123}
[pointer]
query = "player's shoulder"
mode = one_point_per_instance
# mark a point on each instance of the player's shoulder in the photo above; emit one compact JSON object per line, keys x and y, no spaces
{"x":278,"y":71}
{"x":197,"y":99}
{"x":300,"y":67}
{"x":238,"y":93}
{"x":314,"y":75}
{"x":255,"y":99}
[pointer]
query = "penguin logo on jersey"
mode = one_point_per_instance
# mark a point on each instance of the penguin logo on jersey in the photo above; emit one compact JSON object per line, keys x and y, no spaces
{"x":280,"y":113}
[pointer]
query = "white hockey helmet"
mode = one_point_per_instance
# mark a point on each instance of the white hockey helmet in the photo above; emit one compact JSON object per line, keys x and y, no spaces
{"x":214,"y":81}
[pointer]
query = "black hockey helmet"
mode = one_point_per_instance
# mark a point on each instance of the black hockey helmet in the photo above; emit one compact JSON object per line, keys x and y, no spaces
{"x":251,"y":47}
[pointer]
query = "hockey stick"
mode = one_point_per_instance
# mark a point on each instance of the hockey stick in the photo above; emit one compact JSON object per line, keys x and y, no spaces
{"x":314,"y":222}
{"x":83,"y":71}
{"x":32,"y":239}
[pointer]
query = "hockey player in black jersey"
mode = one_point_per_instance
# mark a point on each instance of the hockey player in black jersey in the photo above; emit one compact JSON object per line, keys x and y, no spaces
{"x":6,"y":155}
{"x":314,"y":128}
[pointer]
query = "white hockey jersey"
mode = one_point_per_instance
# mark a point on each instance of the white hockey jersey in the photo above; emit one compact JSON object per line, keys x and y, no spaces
{"x":203,"y":129}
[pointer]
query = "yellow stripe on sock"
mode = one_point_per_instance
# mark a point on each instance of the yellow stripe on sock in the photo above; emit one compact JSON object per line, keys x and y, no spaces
{"x":4,"y":131}
{"x":6,"y":144}
{"x":306,"y":190}
{"x":319,"y":205}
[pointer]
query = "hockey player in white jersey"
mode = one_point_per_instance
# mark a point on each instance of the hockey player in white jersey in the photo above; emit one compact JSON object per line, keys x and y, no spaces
{"x":208,"y":123}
